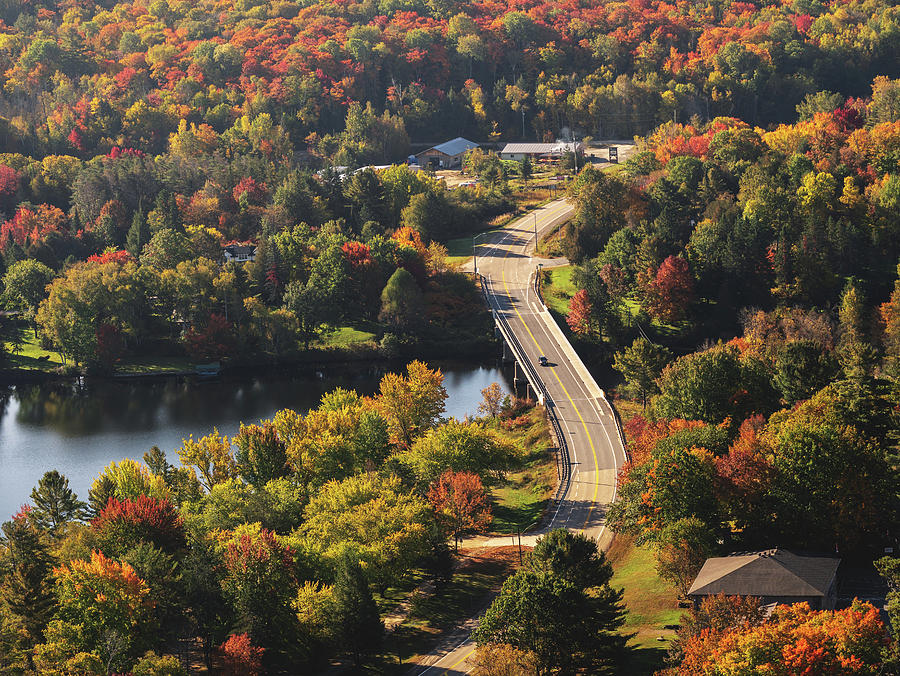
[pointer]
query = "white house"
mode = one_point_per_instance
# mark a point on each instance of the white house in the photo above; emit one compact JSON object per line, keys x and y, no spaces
{"x":240,"y":253}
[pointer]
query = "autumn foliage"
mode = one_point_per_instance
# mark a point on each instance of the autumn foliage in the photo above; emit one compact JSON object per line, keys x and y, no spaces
{"x":242,"y":658}
{"x":460,"y":502}
{"x":795,"y":641}
{"x":124,"y":523}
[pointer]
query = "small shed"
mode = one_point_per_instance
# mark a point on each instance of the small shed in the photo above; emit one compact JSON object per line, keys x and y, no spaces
{"x":239,"y":252}
{"x":447,"y":155}
{"x":773,"y":575}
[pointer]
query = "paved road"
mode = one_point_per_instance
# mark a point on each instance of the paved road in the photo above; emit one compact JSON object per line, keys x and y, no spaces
{"x":586,"y":418}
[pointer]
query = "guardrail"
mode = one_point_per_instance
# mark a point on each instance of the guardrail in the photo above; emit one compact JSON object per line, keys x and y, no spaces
{"x":563,"y":462}
{"x":536,"y":284}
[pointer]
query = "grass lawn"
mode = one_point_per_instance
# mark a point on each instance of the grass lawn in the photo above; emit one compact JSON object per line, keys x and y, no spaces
{"x":459,"y":250}
{"x":521,"y":496}
{"x":651,"y":602}
{"x":160,"y":365}
{"x":634,"y":307}
{"x":347,"y":335}
{"x":31,"y":352}
{"x":521,"y":499}
{"x":558,"y":289}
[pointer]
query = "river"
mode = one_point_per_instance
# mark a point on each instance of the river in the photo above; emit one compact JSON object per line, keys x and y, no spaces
{"x":78,"y":428}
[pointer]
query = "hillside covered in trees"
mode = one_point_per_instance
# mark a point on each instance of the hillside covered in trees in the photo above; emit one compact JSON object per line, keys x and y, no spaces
{"x":748,"y":295}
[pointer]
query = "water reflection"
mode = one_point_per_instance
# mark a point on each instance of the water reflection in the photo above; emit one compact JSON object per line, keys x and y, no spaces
{"x":78,"y":428}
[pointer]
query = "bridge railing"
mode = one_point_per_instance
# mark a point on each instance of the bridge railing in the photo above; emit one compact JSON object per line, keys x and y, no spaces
{"x":563,"y":461}
{"x":535,"y":282}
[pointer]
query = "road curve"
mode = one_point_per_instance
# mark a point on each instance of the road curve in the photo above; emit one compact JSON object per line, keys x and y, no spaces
{"x":586,"y":418}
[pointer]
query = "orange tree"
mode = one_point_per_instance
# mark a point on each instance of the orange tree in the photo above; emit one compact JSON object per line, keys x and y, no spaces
{"x":460,"y":502}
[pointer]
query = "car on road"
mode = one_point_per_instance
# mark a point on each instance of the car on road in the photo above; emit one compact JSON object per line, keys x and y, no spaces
{"x":542,"y":360}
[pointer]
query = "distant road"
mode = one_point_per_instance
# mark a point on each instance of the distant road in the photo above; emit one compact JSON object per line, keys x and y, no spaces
{"x":586,"y":418}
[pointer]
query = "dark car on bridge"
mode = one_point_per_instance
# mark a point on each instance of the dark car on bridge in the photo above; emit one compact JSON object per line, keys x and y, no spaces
{"x":542,"y":360}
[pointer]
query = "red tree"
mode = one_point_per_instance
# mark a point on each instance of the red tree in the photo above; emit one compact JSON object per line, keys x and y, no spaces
{"x":242,"y":658}
{"x":671,"y":290}
{"x":213,"y":341}
{"x":795,"y":641}
{"x":255,"y":193}
{"x":123,"y":524}
{"x":461,"y":503}
{"x":580,"y":317}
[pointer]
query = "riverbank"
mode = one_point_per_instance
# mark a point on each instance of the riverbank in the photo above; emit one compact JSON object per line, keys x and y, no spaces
{"x":34,"y":364}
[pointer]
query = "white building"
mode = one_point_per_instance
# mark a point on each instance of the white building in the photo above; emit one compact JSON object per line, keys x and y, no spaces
{"x":539,"y":151}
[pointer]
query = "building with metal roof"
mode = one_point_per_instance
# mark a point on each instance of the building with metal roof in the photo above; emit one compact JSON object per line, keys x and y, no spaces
{"x":448,"y":155}
{"x":535,"y":151}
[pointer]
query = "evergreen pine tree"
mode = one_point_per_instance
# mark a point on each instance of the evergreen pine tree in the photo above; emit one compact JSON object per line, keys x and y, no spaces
{"x":26,"y":586}
{"x":54,"y":502}
{"x":138,"y":234}
{"x":358,"y":623}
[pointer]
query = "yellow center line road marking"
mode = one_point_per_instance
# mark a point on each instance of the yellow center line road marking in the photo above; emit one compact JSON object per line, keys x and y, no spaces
{"x":459,"y":661}
{"x":565,"y":391}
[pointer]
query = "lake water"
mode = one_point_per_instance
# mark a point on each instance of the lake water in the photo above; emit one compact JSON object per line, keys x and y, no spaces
{"x":78,"y":429}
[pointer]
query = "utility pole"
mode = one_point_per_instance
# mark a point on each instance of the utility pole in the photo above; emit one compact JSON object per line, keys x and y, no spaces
{"x":535,"y":232}
{"x":474,"y":258}
{"x":519,"y":533}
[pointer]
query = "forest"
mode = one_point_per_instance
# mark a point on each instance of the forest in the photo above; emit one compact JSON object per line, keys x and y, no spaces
{"x":271,"y":551}
{"x":737,"y":278}
{"x":747,"y":294}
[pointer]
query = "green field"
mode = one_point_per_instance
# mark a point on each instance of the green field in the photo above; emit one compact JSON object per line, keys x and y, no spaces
{"x":30,"y":353}
{"x":558,"y":289}
{"x":521,"y":496}
{"x":459,"y":250}
{"x":651,"y":602}
{"x":347,"y":335}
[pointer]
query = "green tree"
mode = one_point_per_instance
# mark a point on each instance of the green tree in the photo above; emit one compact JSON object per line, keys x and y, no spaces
{"x":681,"y":551}
{"x":260,"y":582}
{"x":25,"y":284}
{"x":598,"y":199}
{"x":359,"y":626}
{"x":25,"y":582}
{"x":166,"y":249}
{"x":461,"y":447}
{"x":386,"y":525}
{"x":573,"y":557}
{"x":889,"y":569}
{"x":713,"y":385}
{"x":103,"y":609}
{"x":138,"y":234}
{"x":211,"y":457}
{"x":641,"y":364}
{"x":261,"y":454}
{"x":565,"y":627}
{"x":802,"y":368}
{"x":402,"y":303}
{"x":54,"y":502}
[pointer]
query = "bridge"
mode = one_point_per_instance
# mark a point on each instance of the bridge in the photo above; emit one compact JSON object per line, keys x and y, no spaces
{"x":588,"y":434}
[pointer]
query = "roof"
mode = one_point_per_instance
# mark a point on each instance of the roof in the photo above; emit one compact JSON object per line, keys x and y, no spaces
{"x":236,"y":248}
{"x":457,"y":146}
{"x":540,"y":148}
{"x":773,"y":572}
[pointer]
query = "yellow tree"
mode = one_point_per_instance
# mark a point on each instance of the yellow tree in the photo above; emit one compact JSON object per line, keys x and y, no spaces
{"x":414,"y":403}
{"x":211,"y":457}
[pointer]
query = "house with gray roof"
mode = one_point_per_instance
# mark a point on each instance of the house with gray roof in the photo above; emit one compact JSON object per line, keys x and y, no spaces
{"x":773,"y":575}
{"x":447,"y":155}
